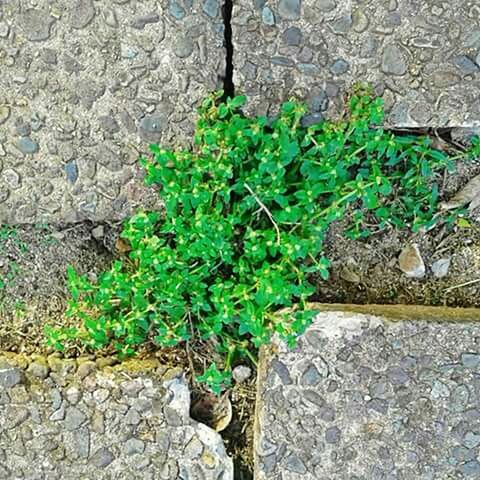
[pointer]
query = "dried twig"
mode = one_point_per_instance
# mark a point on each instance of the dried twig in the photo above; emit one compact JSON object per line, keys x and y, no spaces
{"x":266,"y":210}
{"x":471,"y":282}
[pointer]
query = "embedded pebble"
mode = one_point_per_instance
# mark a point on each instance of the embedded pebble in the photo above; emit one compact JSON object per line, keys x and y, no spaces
{"x":289,"y":9}
{"x":241,"y":373}
{"x":27,"y":146}
{"x":268,"y":16}
{"x":440,"y":267}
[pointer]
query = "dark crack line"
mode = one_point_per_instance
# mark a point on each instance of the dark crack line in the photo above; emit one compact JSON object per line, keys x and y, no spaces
{"x":228,"y":86}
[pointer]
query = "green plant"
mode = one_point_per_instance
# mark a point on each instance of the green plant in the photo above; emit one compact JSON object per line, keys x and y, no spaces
{"x":229,"y":258}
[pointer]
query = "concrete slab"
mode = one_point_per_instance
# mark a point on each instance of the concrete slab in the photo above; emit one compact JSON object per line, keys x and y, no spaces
{"x":64,"y":419}
{"x":364,"y":398}
{"x":84,"y":87}
{"x":424,"y":57}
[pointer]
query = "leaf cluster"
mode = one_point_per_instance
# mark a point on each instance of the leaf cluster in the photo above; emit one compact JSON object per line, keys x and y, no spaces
{"x":242,"y":230}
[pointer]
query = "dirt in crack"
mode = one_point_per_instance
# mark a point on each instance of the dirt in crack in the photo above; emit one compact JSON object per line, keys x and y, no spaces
{"x":228,"y":86}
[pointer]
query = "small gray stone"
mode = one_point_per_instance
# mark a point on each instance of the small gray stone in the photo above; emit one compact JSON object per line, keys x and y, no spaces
{"x":27,"y":146}
{"x":127,"y":51}
{"x":282,"y":371}
{"x":312,"y":119}
{"x":470,"y":360}
{"x":86,"y":368}
{"x":151,"y":127}
{"x":101,"y":395}
{"x":58,"y":415}
{"x":176,"y":10}
{"x":98,"y":233}
{"x":22,"y":128}
{"x":289,"y":9}
{"x":56,"y":398}
{"x":133,"y":446}
{"x":471,"y":440}
{"x":82,"y":13}
{"x":194,"y":448}
{"x":36,"y":24}
{"x":466,"y":65}
{"x":15,"y":417}
{"x":132,"y":417}
{"x":267,"y":16}
{"x":343,"y":24}
{"x":327,"y":413}
{"x":109,"y":124}
{"x":314,"y":397}
{"x":326,"y":5}
{"x":293,"y":36}
{"x":4,"y":30}
{"x":82,"y":442}
{"x":73,"y":394}
{"x":4,"y":113}
{"x":241,"y":373}
{"x":294,"y":464}
{"x":74,"y":418}
{"x":38,"y":370}
{"x":71,"y":171}
{"x":393,"y":61}
{"x":308,"y":69}
{"x":459,"y":399}
{"x":210,"y":7}
{"x":311,"y":376}
{"x":183,"y":46}
{"x":141,"y":22}
{"x":379,"y":405}
{"x":98,"y":423}
{"x":282,"y":61}
{"x":440,"y":267}
{"x":439,"y":390}
{"x":172,"y":417}
{"x":333,"y":435}
{"x":463,"y":454}
{"x":10,"y":376}
{"x":110,"y":17}
{"x":471,"y":469}
{"x":102,"y":458}
{"x":398,"y":376}
{"x":132,"y":388}
{"x":339,"y":67}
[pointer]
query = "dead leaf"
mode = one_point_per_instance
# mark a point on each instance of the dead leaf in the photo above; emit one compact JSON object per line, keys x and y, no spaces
{"x":122,"y":246}
{"x":214,"y":411}
{"x":469,"y":193}
{"x":222,"y":414}
{"x":439,"y":143}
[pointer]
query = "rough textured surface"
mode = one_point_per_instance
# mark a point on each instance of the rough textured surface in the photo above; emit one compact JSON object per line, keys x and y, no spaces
{"x":87,"y":85}
{"x":58,"y":421}
{"x":423,"y":56}
{"x":363,"y":399}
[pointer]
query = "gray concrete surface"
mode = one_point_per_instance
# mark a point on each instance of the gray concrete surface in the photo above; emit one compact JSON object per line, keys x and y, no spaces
{"x":69,"y":420}
{"x":361,"y":398}
{"x":423,"y":56}
{"x":84,"y":87}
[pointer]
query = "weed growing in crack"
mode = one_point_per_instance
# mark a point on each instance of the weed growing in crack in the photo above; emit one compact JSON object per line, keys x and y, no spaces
{"x":229,"y":258}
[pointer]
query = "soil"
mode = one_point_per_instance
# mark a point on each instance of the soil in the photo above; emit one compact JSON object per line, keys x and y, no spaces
{"x":34,"y":259}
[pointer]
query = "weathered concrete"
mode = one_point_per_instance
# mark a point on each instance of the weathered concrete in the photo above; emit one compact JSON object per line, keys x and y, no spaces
{"x":131,"y":421}
{"x":84,"y":87}
{"x":423,"y":56}
{"x":362,"y":398}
